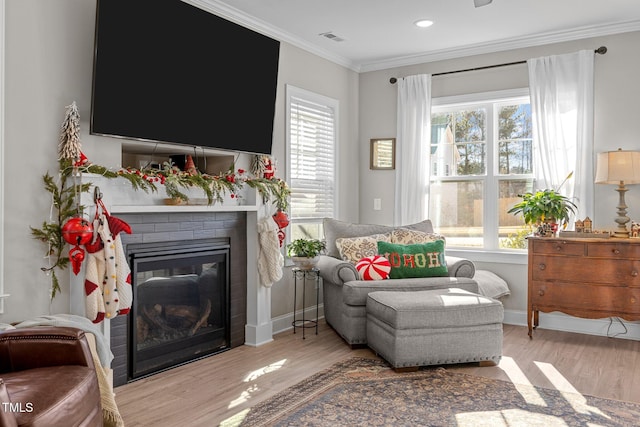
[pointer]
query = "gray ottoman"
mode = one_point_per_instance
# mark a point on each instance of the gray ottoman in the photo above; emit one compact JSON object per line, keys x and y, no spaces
{"x":434,"y":327}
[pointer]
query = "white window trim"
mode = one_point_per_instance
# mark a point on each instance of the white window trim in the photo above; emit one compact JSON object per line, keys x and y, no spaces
{"x":497,"y":257}
{"x":293,"y":91}
{"x":503,"y":256}
{"x":2,"y":168}
{"x":474,"y":98}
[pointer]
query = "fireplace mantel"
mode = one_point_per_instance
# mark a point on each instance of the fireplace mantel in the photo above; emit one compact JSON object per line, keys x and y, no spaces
{"x":229,"y":207}
{"x":120,"y":198}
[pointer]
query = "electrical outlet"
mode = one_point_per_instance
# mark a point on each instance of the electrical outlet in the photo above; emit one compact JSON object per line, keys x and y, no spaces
{"x":377,"y":204}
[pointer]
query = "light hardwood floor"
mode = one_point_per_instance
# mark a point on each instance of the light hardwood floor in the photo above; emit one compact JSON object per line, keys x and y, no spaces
{"x":211,"y":390}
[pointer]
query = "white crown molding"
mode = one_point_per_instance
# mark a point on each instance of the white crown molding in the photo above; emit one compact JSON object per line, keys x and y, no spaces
{"x":503,"y":45}
{"x":234,"y":15}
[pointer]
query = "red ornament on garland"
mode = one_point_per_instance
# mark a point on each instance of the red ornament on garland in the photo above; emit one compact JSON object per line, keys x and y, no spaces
{"x":76,"y":256}
{"x":82,"y":161}
{"x":77,"y":231}
{"x":190,"y":166}
{"x":269,"y":169}
{"x":282,"y":220}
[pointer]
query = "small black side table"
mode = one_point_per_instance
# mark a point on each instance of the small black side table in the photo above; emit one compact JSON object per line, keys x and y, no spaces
{"x":302,"y":276}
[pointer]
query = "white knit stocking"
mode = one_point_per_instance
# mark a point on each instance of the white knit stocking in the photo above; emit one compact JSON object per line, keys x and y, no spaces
{"x":270,"y":259}
{"x":95,"y":270}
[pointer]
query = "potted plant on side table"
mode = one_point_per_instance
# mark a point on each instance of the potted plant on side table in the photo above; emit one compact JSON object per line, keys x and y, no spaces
{"x":305,"y":252}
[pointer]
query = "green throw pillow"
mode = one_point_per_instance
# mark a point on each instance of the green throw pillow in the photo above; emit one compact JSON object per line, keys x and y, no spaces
{"x":416,"y":260}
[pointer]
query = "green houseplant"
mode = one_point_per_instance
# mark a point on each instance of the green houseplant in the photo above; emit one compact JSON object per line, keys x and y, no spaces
{"x":544,"y":206}
{"x":304,"y":252}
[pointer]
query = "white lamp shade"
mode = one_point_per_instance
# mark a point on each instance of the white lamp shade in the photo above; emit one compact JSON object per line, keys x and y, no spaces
{"x":615,"y":166}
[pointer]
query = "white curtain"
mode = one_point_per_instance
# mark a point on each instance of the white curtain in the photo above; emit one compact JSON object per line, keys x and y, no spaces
{"x":412,"y":149}
{"x":561,"y":89}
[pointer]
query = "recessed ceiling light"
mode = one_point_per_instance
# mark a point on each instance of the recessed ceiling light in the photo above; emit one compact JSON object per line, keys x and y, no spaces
{"x":423,"y":23}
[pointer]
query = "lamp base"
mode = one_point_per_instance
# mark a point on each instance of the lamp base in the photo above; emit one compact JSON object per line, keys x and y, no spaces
{"x":622,"y":218}
{"x":620,"y":234}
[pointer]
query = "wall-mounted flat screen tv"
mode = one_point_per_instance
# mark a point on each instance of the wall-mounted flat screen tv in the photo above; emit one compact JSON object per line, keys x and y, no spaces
{"x":167,"y":71}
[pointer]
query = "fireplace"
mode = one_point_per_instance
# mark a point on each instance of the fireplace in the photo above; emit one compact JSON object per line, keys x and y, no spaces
{"x":181,"y":303}
{"x":153,"y":222}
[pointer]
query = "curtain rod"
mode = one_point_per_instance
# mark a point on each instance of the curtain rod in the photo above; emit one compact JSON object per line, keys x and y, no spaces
{"x":601,"y":51}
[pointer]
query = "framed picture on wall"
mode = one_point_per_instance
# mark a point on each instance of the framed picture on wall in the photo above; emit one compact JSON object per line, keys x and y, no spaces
{"x":383,"y":153}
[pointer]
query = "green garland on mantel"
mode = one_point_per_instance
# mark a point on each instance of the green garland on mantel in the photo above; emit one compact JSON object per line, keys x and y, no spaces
{"x":65,"y":198}
{"x":215,"y":187}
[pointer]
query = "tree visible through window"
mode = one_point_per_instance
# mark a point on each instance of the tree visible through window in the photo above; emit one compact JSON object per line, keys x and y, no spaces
{"x":481,"y":159}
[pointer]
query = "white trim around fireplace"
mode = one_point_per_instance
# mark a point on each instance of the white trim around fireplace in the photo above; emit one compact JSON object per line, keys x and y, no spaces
{"x":259,"y":327}
{"x":120,"y":198}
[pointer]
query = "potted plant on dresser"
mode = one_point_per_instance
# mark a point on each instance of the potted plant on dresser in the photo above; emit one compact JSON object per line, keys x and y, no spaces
{"x":547,"y":210}
{"x":305,"y":252}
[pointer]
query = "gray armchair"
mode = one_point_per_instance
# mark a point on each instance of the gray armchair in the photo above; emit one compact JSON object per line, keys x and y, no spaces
{"x":345,"y":295}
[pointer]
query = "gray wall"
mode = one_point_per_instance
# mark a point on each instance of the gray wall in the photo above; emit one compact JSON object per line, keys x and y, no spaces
{"x":48,"y":55}
{"x":48,"y":60}
{"x":616,"y":95}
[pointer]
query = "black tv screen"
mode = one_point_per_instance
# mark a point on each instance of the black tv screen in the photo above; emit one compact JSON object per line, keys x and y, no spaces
{"x":167,"y":71}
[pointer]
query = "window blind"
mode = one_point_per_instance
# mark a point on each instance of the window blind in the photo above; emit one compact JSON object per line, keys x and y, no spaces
{"x":312,"y":159}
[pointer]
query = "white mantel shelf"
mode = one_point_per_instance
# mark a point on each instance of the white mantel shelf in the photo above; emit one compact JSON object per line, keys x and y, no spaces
{"x":182,"y":208}
{"x":120,"y":197}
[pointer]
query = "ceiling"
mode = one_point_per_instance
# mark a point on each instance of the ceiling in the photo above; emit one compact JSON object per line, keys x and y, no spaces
{"x":379,"y":34}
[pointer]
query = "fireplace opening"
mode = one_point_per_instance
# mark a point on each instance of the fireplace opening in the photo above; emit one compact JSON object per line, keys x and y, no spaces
{"x":181,"y":304}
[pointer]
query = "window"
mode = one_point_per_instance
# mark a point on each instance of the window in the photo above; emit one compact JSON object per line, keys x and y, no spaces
{"x":311,"y":142}
{"x":481,"y":159}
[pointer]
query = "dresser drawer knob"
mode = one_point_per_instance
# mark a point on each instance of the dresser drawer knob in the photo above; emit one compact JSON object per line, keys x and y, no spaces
{"x":541,"y":292}
{"x":558,"y":248}
{"x":615,"y":251}
{"x":634,"y":273}
{"x":633,"y":300}
{"x":541,"y":266}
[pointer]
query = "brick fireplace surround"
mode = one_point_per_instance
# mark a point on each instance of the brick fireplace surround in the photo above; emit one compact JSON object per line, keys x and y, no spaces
{"x":151,"y":221}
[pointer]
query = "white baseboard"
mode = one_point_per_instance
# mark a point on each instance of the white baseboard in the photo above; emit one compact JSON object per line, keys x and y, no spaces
{"x":553,"y":321}
{"x":284,"y":322}
{"x":257,"y":335}
{"x":562,"y":322}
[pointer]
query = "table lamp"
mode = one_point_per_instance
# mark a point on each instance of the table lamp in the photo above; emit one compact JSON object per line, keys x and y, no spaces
{"x":619,"y":167}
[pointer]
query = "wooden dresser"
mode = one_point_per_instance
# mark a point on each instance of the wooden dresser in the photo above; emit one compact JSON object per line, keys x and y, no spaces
{"x":589,"y":278}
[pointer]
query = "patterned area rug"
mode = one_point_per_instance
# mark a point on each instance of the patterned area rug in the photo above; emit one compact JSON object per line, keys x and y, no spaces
{"x":361,"y":391}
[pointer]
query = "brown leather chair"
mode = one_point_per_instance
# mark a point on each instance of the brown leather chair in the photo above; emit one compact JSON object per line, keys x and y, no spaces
{"x":47,"y":378}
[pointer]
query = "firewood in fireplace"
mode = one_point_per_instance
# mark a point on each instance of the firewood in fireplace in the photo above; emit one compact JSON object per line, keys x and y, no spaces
{"x":142,"y":329}
{"x":153,"y":315}
{"x":171,"y":321}
{"x":183,"y":316}
{"x":203,"y":318}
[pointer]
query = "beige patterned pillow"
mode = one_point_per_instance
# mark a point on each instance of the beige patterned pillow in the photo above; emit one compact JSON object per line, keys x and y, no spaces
{"x":405,"y":236}
{"x":353,"y":249}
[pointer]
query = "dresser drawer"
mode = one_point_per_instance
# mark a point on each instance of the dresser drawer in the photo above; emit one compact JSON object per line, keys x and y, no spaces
{"x":594,"y":270}
{"x":614,"y":250}
{"x":560,"y":247}
{"x":567,"y":297}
